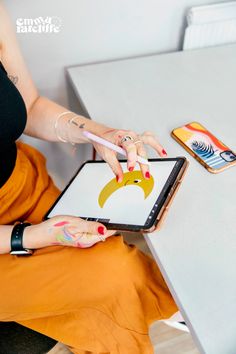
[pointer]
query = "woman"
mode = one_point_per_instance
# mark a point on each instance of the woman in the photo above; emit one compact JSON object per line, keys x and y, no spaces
{"x":100,"y":299}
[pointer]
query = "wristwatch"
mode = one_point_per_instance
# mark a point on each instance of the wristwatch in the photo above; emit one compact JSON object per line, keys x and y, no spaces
{"x":17,"y":240}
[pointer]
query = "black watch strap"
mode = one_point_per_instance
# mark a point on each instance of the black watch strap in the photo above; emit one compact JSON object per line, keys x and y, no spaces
{"x":17,"y":239}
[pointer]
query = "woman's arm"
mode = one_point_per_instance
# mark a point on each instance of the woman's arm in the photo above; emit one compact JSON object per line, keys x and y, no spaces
{"x":60,"y":230}
{"x":42,"y":112}
{"x":5,"y":238}
{"x":29,"y":239}
{"x":42,"y":118}
{"x":13,"y":61}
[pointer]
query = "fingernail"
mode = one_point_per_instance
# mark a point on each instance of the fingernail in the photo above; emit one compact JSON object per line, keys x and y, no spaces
{"x":131,"y":169}
{"x":164,"y":152}
{"x":147,"y":174}
{"x":118,"y":179}
{"x":101,"y":230}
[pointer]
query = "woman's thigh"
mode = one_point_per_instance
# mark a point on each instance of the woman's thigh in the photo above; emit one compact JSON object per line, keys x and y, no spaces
{"x":59,"y":279}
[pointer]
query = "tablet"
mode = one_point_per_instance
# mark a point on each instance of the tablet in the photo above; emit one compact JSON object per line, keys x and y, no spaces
{"x":135,"y":204}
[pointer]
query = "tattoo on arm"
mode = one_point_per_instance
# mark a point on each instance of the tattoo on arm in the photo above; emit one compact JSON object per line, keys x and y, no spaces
{"x":14,"y":79}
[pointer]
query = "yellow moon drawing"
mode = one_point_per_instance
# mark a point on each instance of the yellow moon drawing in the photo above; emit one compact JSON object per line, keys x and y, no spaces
{"x":130,"y":178}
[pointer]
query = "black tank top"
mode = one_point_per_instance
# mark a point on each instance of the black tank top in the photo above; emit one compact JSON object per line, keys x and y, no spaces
{"x":13,"y":117}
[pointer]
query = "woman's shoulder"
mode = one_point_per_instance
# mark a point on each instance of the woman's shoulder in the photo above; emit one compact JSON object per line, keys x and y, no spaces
{"x":3,"y":16}
{"x":5,"y":27}
{"x":2,"y":10}
{"x":8,"y":41}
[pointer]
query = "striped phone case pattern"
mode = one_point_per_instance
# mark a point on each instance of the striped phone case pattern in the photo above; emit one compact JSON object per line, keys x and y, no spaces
{"x":212,"y":151}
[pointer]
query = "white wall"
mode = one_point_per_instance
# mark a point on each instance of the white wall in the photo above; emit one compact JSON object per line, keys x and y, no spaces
{"x":95,"y":30}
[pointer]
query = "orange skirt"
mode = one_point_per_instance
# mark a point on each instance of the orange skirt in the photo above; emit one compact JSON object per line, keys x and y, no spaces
{"x":96,"y":300}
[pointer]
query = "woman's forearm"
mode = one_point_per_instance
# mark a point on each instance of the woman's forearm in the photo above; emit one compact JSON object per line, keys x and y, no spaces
{"x":42,"y":118}
{"x":32,"y":238}
{"x":5,"y":238}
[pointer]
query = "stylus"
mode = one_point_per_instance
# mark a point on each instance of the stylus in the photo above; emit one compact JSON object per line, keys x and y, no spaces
{"x":111,"y":146}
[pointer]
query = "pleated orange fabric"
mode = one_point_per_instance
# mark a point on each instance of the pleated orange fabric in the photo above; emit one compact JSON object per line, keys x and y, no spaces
{"x":96,"y":300}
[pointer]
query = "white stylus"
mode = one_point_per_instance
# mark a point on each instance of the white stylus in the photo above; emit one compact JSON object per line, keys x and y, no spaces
{"x":111,"y":146}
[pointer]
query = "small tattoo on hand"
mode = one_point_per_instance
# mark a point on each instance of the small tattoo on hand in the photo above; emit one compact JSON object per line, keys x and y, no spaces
{"x":61,"y":223}
{"x":82,"y":126}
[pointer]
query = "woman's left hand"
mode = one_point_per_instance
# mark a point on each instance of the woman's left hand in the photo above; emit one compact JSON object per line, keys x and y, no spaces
{"x":133,"y":144}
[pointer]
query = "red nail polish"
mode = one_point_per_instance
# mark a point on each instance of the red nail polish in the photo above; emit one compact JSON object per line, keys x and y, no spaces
{"x":147,"y":174}
{"x":119,"y":179}
{"x":101,"y":230}
{"x":131,"y":169}
{"x":164,"y":152}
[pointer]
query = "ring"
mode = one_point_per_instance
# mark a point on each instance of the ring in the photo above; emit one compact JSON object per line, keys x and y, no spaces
{"x":126,"y":138}
{"x":102,"y":238}
{"x":137,"y":141}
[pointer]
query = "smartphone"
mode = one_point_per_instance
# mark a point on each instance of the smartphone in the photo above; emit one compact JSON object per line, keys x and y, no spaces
{"x":136,"y":204}
{"x":204,"y":147}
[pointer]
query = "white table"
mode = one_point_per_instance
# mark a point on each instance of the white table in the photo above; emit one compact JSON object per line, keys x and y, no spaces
{"x":196,"y":247}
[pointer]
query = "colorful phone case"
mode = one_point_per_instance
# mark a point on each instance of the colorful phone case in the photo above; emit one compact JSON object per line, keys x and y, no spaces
{"x":205,"y":147}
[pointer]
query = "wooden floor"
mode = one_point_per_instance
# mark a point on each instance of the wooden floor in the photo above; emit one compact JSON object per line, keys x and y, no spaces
{"x":165,"y":339}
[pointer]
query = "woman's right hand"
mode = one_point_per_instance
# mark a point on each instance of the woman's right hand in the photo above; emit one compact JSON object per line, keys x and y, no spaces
{"x":65,"y":230}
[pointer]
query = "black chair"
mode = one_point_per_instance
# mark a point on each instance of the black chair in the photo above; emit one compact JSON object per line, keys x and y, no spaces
{"x":17,"y":339}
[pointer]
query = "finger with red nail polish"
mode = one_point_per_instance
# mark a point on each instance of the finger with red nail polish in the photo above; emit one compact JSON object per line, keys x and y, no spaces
{"x":150,"y":139}
{"x":101,"y":230}
{"x":115,"y":165}
{"x":119,"y":179}
{"x":147,"y":175}
{"x":131,"y":154}
{"x":164,"y":152}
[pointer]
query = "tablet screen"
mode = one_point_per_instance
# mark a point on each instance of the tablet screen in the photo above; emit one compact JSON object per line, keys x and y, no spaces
{"x":95,"y":194}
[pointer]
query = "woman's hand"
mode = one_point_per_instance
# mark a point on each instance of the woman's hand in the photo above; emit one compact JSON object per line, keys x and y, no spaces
{"x":65,"y":230}
{"x":133,"y":144}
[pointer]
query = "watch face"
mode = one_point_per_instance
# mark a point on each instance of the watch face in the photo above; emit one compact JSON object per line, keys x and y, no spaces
{"x":24,"y":252}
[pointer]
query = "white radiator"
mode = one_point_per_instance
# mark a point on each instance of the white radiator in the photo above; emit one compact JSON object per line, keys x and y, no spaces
{"x":210,"y":26}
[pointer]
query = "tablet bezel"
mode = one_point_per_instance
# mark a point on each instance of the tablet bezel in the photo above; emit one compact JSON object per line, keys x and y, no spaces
{"x":162,"y":200}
